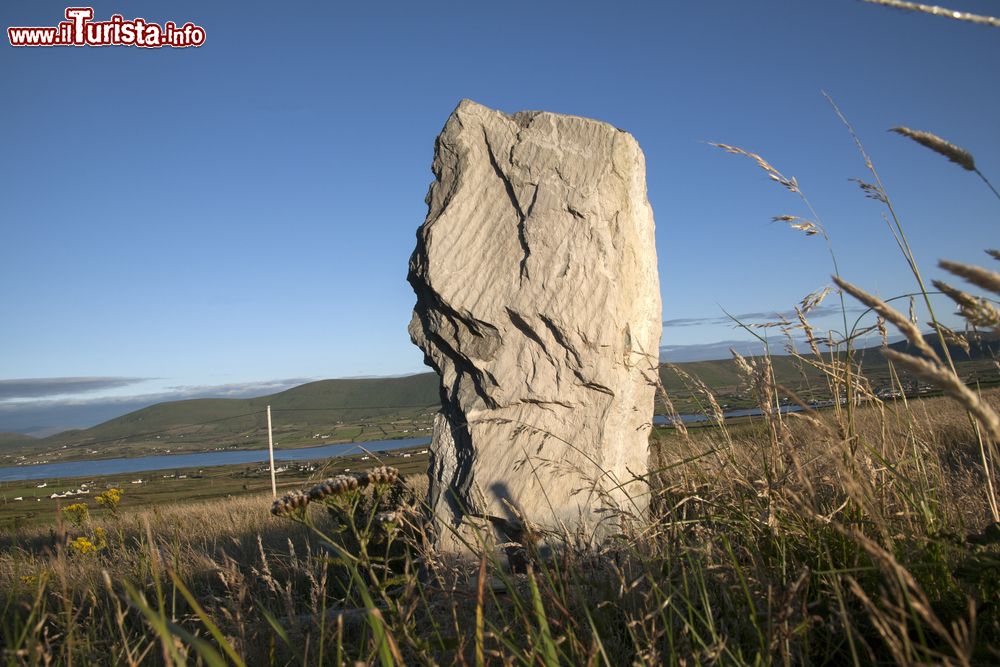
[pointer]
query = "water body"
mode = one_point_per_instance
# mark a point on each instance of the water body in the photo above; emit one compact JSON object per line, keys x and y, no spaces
{"x":661,"y":420}
{"x":210,"y":459}
{"x":201,"y":460}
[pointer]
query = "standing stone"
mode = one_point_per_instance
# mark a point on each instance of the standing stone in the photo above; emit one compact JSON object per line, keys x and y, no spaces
{"x":538,"y":303}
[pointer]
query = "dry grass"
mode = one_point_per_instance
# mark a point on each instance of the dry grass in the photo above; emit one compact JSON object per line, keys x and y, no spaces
{"x":939,"y":11}
{"x":823,"y":550}
{"x":959,"y":156}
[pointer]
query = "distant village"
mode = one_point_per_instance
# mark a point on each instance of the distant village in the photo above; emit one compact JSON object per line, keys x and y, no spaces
{"x":254,"y":471}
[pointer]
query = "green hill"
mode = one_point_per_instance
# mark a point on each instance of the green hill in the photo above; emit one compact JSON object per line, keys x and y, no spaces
{"x":723,"y":378}
{"x":13,"y":438}
{"x":329,"y":399}
{"x":340,"y":410}
{"x":332,"y":411}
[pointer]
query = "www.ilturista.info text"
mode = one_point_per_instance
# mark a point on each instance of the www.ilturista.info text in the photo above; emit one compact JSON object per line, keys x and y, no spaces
{"x":81,"y":30}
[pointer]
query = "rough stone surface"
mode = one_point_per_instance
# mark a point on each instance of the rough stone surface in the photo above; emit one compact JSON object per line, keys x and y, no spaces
{"x":538,"y":303}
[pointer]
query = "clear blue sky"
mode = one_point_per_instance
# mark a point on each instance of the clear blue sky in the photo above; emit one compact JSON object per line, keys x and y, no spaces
{"x":244,"y":211}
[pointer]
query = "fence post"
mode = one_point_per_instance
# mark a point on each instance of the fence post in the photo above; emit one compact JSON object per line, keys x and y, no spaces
{"x":270,"y":451}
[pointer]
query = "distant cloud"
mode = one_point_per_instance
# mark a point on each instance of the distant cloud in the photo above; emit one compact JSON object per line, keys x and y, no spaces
{"x":178,"y":393}
{"x":46,"y":415}
{"x":39,"y":387}
{"x":235,"y":390}
{"x":770,"y":316}
{"x":721,"y":349}
{"x":709,"y":351}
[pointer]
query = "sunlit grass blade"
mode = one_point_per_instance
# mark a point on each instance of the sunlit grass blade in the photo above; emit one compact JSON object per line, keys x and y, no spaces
{"x":206,"y":620}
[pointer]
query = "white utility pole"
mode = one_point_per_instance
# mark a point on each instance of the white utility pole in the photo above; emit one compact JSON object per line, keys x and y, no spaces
{"x":270,"y":451}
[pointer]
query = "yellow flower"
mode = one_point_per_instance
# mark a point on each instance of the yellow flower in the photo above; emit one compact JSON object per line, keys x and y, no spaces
{"x":100,"y":538}
{"x":82,"y":546}
{"x":77,"y":514}
{"x":110,"y":499}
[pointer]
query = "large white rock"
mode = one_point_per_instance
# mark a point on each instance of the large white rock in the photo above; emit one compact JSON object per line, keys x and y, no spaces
{"x":538,"y":303}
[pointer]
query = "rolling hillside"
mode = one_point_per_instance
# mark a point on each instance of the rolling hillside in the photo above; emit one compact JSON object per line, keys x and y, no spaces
{"x":13,"y":438}
{"x":723,"y":378}
{"x":328,"y":399}
{"x":340,"y":410}
{"x":331,"y":411}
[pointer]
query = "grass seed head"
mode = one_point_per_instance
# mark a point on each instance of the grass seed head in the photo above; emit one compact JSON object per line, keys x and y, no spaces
{"x":978,"y":276}
{"x":790,"y":183}
{"x":951,"y":384}
{"x":952,"y":337}
{"x":959,"y":156}
{"x":905,"y":325}
{"x":808,"y":227}
{"x":975,"y":310}
{"x":807,"y":328}
{"x":871,"y":190}
{"x":813,"y":299}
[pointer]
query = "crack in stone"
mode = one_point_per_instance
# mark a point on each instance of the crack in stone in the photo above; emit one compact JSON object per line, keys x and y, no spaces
{"x":522,"y":325}
{"x":521,"y":216}
{"x":561,"y":339}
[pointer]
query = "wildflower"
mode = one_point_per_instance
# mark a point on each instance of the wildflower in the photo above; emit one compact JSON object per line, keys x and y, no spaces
{"x":383,"y":475}
{"x":77,"y":514}
{"x":110,"y":499}
{"x":289,"y":502}
{"x":389,"y":519}
{"x":334,"y":486}
{"x":82,"y":546}
{"x":341,"y":484}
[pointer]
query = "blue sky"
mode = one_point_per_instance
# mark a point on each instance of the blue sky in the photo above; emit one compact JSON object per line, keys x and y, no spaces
{"x":243,"y":212}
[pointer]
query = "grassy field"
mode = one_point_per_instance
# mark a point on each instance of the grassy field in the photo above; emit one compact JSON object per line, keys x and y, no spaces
{"x":867,"y":533}
{"x":184,"y":484}
{"x":822,"y":550}
{"x":164,"y":487}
